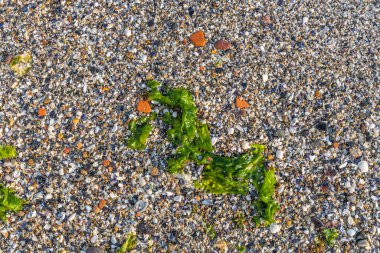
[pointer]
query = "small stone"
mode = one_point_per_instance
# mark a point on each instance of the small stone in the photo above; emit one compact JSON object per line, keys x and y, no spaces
{"x":48,"y":196}
{"x":350,"y":220}
{"x":363,"y":166}
{"x":351,"y":232}
{"x":265,"y":78}
{"x":245,"y":145}
{"x":141,"y":205}
{"x":312,"y":157}
{"x":154,"y":171}
{"x":102,"y":203}
{"x":198,"y":39}
{"x":266,"y":20}
{"x":75,"y":121}
{"x":222,"y":45}
{"x":143,"y":58}
{"x":214,"y":140}
{"x":142,"y":182}
{"x":317,"y":222}
{"x":178,"y":198}
{"x":128,"y":32}
{"x":222,"y":245}
{"x":364,"y":244}
{"x":321,"y":126}
{"x":7,"y":59}
{"x":279,"y":133}
{"x":41,"y":112}
{"x":275,"y":228}
{"x":94,"y":239}
{"x":351,"y":198}
{"x":280,"y":154}
{"x":230,"y":130}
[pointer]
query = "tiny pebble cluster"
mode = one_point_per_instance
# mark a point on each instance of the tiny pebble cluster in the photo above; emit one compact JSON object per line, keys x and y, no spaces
{"x":301,"y":77}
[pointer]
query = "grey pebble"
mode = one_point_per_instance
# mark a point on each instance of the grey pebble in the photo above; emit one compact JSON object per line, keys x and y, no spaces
{"x":95,"y":250}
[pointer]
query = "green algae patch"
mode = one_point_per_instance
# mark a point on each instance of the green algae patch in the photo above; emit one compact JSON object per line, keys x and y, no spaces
{"x":192,"y":142}
{"x":7,"y":152}
{"x":21,"y":64}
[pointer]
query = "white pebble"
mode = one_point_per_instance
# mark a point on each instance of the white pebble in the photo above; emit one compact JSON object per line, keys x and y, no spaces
{"x":72,"y":217}
{"x":351,"y":232}
{"x":275,"y":228}
{"x":214,"y":140}
{"x":178,"y":198}
{"x":16,"y":173}
{"x":312,"y":157}
{"x":265,"y":77}
{"x":94,"y":239}
{"x":128,"y":32}
{"x":144,"y":58}
{"x":245,"y":145}
{"x":363,"y":166}
{"x":350,"y":220}
{"x":113,"y":240}
{"x":142,"y":181}
{"x":231,"y":130}
{"x":280,"y":154}
{"x":48,"y":196}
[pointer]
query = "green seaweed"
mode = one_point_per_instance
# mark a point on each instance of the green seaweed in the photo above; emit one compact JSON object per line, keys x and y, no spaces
{"x":9,"y":202}
{"x":129,"y":244}
{"x":141,"y":130}
{"x":7,"y":152}
{"x":21,"y":64}
{"x":330,"y":235}
{"x":192,"y":142}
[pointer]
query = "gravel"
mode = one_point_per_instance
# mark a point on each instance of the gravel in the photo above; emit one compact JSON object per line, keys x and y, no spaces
{"x":309,"y":71}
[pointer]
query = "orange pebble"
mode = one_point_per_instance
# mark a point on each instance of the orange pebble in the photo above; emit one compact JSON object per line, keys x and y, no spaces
{"x":143,"y":106}
{"x":106,"y":163}
{"x":41,"y":112}
{"x":198,"y":39}
{"x":66,"y":150}
{"x":102,"y":203}
{"x":241,"y":103}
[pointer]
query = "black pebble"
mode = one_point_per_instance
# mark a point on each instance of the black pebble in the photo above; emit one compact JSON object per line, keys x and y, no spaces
{"x":219,"y":70}
{"x":322,"y":126}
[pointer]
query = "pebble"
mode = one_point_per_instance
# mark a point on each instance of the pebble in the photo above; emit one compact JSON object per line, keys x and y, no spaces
{"x":275,"y":228}
{"x":142,"y":181}
{"x":141,"y":205}
{"x":364,"y":244}
{"x":178,"y":198}
{"x":280,"y":154}
{"x":351,"y":232}
{"x":230,"y":130}
{"x":198,"y":38}
{"x":128,"y":32}
{"x":363,"y":166}
{"x":95,"y":250}
{"x":246,"y":145}
{"x":265,"y":78}
{"x":222,"y":45}
{"x":350,"y":220}
{"x":94,"y":239}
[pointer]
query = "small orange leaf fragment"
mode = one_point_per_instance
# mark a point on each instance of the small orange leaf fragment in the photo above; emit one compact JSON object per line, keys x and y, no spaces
{"x":241,"y":103}
{"x":41,"y":112}
{"x":143,"y":106}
